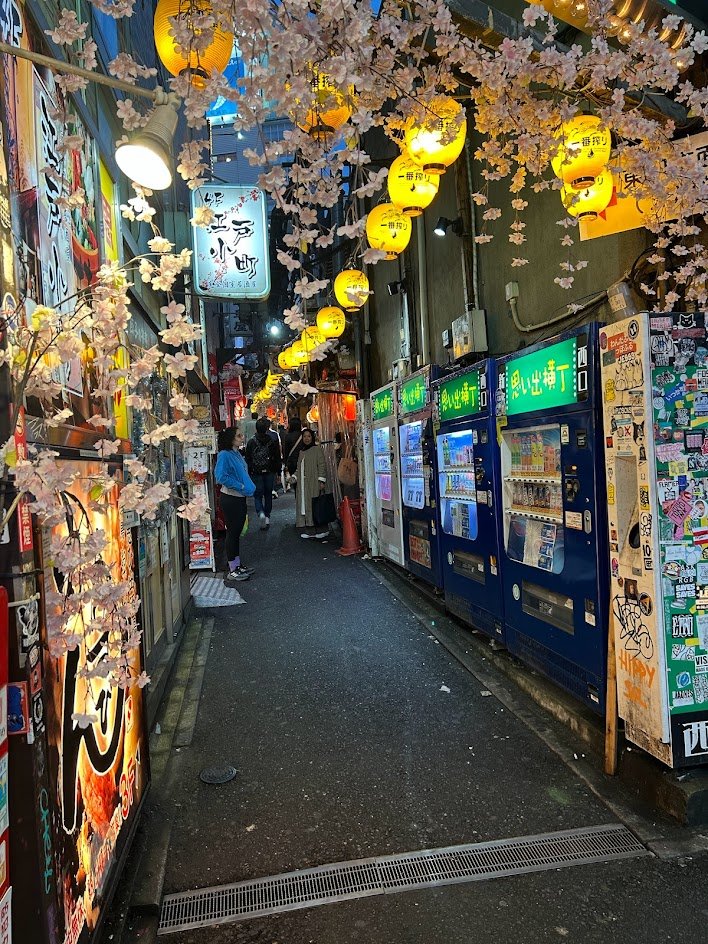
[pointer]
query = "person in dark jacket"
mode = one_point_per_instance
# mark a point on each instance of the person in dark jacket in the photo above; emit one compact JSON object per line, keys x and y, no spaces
{"x":231,"y":474}
{"x":292,"y":442}
{"x":264,"y":463}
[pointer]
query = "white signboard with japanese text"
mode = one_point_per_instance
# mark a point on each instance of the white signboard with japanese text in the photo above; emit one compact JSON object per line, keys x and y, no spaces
{"x":231,"y":251}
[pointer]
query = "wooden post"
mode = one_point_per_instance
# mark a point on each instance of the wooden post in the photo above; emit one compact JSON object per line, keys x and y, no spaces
{"x":611,"y":715}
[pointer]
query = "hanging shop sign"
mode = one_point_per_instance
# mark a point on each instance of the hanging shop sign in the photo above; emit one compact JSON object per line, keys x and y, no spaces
{"x":231,"y":257}
{"x":382,"y":404}
{"x":99,"y":771}
{"x":625,"y":210}
{"x":551,"y":377}
{"x":462,"y":395}
{"x":413,"y":394}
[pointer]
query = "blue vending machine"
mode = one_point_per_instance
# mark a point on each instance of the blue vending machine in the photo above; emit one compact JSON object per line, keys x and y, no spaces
{"x":421,"y":532}
{"x":469,"y":496}
{"x":554,"y":551}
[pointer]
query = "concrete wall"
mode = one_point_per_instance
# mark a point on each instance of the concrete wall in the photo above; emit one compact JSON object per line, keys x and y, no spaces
{"x":540,"y":299}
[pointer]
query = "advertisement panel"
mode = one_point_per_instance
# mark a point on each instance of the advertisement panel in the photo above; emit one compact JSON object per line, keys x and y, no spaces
{"x":231,"y":258}
{"x":98,"y":772}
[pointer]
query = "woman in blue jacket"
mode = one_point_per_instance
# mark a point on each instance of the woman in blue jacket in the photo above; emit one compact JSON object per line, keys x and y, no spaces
{"x":231,"y":474}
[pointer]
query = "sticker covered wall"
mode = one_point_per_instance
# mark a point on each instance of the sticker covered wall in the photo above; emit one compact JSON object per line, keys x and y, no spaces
{"x":655,"y":387}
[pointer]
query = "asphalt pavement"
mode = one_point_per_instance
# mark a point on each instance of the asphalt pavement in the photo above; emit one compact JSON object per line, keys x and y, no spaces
{"x":355,"y":734}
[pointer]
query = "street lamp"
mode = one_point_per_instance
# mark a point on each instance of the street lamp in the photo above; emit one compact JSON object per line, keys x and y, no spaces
{"x":146,"y":157}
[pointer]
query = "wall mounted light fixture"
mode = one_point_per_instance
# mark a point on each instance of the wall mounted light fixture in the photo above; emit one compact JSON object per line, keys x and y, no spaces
{"x":443,"y":224}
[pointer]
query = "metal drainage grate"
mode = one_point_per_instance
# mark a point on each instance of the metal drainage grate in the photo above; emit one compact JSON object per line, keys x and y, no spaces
{"x":388,"y":874}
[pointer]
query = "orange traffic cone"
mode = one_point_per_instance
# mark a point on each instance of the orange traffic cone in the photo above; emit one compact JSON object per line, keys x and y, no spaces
{"x":352,"y":544}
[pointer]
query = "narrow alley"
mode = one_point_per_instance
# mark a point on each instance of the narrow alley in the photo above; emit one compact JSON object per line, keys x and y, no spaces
{"x":354,"y":733}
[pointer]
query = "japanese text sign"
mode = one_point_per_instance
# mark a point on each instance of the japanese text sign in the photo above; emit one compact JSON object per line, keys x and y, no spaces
{"x":414,"y":394}
{"x":542,"y":379}
{"x":231,"y":252}
{"x":382,"y":404}
{"x":460,"y":396}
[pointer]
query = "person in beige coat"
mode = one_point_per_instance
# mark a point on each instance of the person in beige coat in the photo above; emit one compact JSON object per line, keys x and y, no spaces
{"x":311,"y":478}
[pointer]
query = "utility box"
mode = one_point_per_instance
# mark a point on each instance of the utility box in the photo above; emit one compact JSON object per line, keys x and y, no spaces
{"x":469,"y":333}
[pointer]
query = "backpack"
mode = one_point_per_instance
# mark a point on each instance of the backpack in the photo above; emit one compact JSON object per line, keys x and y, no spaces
{"x":260,"y":456}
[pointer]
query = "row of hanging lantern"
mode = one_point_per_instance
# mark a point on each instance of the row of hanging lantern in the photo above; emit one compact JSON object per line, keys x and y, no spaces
{"x":430,"y":146}
{"x":581,"y":163}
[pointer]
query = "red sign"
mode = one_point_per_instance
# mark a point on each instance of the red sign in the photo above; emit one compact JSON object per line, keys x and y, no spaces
{"x":200,"y":547}
{"x":24,"y":515}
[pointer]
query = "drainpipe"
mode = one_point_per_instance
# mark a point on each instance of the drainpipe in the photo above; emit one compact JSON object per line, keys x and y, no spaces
{"x":423,"y":291}
{"x":473,"y":227}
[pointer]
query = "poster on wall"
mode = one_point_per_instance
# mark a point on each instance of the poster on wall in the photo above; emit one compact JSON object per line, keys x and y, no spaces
{"x":99,"y":772}
{"x":231,"y":258}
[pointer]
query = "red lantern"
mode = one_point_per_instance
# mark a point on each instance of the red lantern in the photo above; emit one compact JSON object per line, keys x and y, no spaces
{"x":349,"y":408}
{"x":270,"y":412}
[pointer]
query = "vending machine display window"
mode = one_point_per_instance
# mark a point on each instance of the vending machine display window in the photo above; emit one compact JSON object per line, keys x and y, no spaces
{"x":533,"y":497}
{"x":382,"y":462}
{"x":456,"y":481}
{"x":412,"y":478}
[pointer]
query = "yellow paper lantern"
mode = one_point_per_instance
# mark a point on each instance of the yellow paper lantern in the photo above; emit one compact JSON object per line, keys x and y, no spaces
{"x":198,"y":63}
{"x":589,"y":203}
{"x":327,"y":109}
{"x":299,"y":354}
{"x":331,"y":321}
{"x":311,"y":338}
{"x":314,"y":413}
{"x":388,"y":229}
{"x":410,"y":188}
{"x":285,"y":360}
{"x":436,"y":139}
{"x":351,"y":289}
{"x":583,"y":151}
{"x":272,"y":381}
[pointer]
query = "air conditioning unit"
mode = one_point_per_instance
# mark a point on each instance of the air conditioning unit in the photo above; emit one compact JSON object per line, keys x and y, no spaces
{"x":401,"y":368}
{"x":469,"y":333}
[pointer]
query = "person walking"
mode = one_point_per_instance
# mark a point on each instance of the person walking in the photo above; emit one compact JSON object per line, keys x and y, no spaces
{"x":311,"y":481}
{"x":231,"y":473}
{"x":292,"y":440}
{"x":264,"y":463}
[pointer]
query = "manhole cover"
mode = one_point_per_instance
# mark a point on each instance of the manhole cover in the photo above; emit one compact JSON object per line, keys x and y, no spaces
{"x":218,"y":774}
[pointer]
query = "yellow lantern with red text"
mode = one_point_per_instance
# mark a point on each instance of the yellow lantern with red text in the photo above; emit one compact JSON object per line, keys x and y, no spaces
{"x":410,"y":188}
{"x":197,"y":63}
{"x":331,"y":321}
{"x":435,"y":139}
{"x":388,"y":229}
{"x":351,"y":289}
{"x":584,"y":148}
{"x":587,"y":204}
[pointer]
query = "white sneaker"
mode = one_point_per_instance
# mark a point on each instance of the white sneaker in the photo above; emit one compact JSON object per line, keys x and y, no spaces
{"x":267,"y":522}
{"x":261,"y":515}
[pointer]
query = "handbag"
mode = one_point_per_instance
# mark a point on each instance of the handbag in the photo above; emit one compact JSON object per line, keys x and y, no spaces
{"x":348,"y":469}
{"x":323,"y":510}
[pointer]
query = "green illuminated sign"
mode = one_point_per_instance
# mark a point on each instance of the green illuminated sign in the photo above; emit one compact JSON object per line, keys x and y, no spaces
{"x":543,"y":379}
{"x":382,"y":404}
{"x":414,"y":394}
{"x":459,"y":396}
